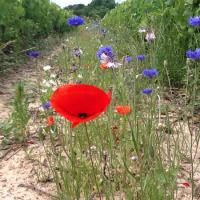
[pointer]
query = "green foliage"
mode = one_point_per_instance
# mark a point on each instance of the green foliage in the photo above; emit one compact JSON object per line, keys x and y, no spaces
{"x":169,"y":20}
{"x":15,"y":127}
{"x":78,"y":9}
{"x":10,"y":14}
{"x":25,"y":21}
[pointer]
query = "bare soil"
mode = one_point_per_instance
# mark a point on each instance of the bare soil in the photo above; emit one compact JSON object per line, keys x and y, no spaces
{"x":18,"y":180}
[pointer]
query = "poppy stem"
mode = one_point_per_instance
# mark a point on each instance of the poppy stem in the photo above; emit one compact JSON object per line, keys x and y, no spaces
{"x":133,"y":138}
{"x":93,"y":169}
{"x":77,"y":38}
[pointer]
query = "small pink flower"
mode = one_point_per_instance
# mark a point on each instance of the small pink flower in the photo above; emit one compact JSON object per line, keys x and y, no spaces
{"x":150,"y":36}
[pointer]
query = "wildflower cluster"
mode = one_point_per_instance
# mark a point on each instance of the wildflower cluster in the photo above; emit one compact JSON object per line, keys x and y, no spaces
{"x":149,"y":73}
{"x":107,"y":57}
{"x":80,"y":103}
{"x":106,"y":50}
{"x":194,"y":55}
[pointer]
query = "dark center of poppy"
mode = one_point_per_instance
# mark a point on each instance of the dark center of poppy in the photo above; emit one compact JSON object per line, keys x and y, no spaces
{"x":82,"y":115}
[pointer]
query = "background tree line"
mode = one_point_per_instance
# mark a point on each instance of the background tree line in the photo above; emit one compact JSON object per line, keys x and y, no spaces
{"x":96,"y":9}
{"x":25,"y":21}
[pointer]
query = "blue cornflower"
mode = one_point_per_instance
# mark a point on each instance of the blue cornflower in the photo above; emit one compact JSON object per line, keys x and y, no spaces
{"x":147,"y":91}
{"x":150,"y":73}
{"x":128,"y":59}
{"x":194,"y":21}
{"x":46,"y":105}
{"x":195,"y":55}
{"x":107,"y":50}
{"x":33,"y":54}
{"x":141,"y":57}
{"x":75,"y":21}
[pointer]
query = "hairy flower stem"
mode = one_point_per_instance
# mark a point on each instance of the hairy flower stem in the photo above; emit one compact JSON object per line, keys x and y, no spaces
{"x":74,"y":164}
{"x":38,"y":75}
{"x":192,"y":164}
{"x":90,"y":155}
{"x":159,"y":112}
{"x":194,"y":95}
{"x":133,"y":138}
{"x":77,"y":41}
{"x":167,"y":73}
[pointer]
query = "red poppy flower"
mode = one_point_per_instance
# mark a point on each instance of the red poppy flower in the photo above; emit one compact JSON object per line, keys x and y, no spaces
{"x":50,"y":120}
{"x":80,"y":102}
{"x":186,"y":184}
{"x":123,"y":110}
{"x":104,"y":66}
{"x":31,"y":142}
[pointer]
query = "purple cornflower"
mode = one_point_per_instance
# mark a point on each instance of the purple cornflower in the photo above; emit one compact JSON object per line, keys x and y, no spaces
{"x":46,"y":105}
{"x":128,"y":59}
{"x":77,"y":52}
{"x":147,"y":91}
{"x":74,"y":68}
{"x":33,"y":54}
{"x":150,"y":73}
{"x":194,"y":21}
{"x":75,"y":21}
{"x":107,"y":50}
{"x":141,"y":57}
{"x":195,"y":55}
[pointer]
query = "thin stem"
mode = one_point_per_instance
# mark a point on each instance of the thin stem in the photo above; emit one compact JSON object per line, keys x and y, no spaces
{"x":133,"y":138}
{"x":159,"y":112}
{"x":93,"y":169}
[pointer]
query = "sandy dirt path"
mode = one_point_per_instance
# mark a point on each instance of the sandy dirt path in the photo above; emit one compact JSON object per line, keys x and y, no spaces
{"x":18,"y":180}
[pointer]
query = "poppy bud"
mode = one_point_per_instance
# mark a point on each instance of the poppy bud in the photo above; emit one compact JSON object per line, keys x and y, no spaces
{"x":50,"y":120}
{"x":123,"y":110}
